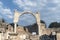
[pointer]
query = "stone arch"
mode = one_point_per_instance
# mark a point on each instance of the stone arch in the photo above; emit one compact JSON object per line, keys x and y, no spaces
{"x":32,"y":28}
{"x":37,"y":17}
{"x":33,"y":15}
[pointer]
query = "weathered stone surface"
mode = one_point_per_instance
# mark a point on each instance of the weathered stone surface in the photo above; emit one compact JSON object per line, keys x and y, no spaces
{"x":22,"y":34}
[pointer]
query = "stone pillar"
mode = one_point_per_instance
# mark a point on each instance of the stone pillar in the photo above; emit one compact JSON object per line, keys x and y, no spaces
{"x":7,"y":35}
{"x":38,"y":23}
{"x":58,"y":36}
{"x":15,"y":25}
{"x":0,"y":36}
{"x":16,"y":18}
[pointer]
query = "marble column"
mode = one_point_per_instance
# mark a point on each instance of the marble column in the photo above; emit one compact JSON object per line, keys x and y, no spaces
{"x":38,"y":22}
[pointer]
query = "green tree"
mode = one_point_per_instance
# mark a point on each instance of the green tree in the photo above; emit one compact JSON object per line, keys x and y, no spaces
{"x":54,"y":25}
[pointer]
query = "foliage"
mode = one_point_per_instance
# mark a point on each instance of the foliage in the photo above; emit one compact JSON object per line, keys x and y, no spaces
{"x":54,"y":25}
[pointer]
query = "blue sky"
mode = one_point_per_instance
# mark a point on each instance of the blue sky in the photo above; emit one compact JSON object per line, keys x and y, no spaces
{"x":49,"y":10}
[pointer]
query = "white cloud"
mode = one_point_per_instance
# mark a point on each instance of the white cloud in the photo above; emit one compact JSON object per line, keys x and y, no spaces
{"x":10,"y":16}
{"x":25,"y":4}
{"x":56,"y":1}
{"x":5,"y":11}
{"x":1,"y":3}
{"x":43,"y":2}
{"x":49,"y":9}
{"x":52,"y":5}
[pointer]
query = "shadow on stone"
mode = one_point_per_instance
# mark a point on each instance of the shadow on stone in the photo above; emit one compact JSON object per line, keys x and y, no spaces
{"x":48,"y":37}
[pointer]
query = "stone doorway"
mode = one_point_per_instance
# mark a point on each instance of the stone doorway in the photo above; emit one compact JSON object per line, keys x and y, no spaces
{"x":37,"y":16}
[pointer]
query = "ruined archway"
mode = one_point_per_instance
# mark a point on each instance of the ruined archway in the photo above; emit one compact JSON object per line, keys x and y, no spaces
{"x":26,"y":19}
{"x":37,"y":16}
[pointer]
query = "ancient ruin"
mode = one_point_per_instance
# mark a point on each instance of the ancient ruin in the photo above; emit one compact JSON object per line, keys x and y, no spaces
{"x":7,"y":32}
